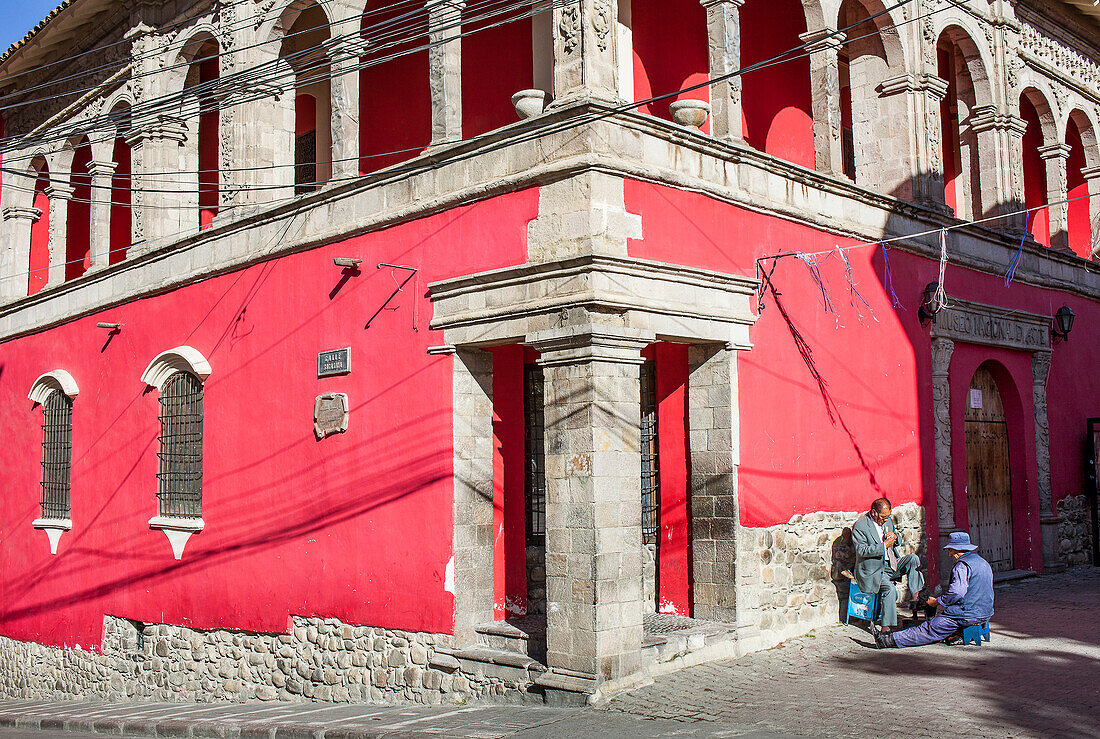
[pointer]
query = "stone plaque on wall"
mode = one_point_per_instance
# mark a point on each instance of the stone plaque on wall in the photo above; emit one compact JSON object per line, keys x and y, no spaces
{"x":330,"y":414}
{"x":334,"y":362}
{"x":975,"y":323}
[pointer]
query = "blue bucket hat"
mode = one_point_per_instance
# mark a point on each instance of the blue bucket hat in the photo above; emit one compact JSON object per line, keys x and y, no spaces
{"x":960,"y":542}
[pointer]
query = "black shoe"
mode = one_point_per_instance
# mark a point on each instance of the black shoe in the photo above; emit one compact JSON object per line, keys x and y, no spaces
{"x":883,"y":640}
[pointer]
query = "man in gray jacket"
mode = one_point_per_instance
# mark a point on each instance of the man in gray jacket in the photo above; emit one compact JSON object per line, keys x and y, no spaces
{"x":878,"y":565}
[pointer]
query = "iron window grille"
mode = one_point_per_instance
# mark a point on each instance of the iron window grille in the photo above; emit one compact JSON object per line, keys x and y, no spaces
{"x":57,"y":455}
{"x":180,"y":476}
{"x":651,"y":484}
{"x":535,"y":479}
{"x":305,"y":163}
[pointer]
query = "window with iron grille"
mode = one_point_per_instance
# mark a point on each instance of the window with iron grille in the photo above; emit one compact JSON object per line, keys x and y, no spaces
{"x":57,"y":454}
{"x":535,"y":483}
{"x":651,"y":484}
{"x":180,"y":488}
{"x":305,"y":163}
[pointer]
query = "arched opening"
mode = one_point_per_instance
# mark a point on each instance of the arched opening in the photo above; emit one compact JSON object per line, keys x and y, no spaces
{"x":660,"y":67}
{"x":988,"y":471}
{"x":303,"y":48}
{"x":122,"y":230}
{"x":78,"y":226}
{"x":39,"y":260}
{"x":1079,"y":135}
{"x":959,"y":64}
{"x":202,"y":76}
{"x":395,"y":77}
{"x":1035,"y":174}
{"x":776,"y":110}
{"x":497,"y":37}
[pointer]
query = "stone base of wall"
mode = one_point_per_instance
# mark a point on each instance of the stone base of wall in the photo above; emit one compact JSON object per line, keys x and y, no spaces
{"x":1075,"y":530}
{"x":788,"y":576}
{"x":321,"y":660}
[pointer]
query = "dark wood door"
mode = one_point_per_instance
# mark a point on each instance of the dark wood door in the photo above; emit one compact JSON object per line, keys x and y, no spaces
{"x":988,"y":480}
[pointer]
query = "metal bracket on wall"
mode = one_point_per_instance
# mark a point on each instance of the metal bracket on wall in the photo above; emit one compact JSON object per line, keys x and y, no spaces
{"x":412,"y":275}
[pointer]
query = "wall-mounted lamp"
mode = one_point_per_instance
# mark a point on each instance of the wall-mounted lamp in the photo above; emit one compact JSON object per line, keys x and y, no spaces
{"x":930,"y":304}
{"x":109,"y":326}
{"x":1063,"y":322}
{"x":347,"y":262}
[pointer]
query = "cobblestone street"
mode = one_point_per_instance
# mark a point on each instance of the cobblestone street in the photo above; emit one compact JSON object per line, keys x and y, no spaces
{"x":1039,"y":676}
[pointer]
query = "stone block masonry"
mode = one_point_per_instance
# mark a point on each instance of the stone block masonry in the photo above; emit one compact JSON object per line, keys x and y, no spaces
{"x":1075,"y":530}
{"x":319,"y":660}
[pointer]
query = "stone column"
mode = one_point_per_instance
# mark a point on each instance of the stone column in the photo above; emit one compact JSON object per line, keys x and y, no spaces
{"x":823,"y":45}
{"x":986,"y":124}
{"x":100,"y":235}
{"x":1013,"y":136}
{"x":584,"y":51}
{"x":16,"y":247}
{"x":593,"y":498}
{"x":155,"y":166}
{"x":942,"y":349}
{"x":1092,"y":177}
{"x":714,"y":449}
{"x":473,"y":493}
{"x":1048,"y":519}
{"x":445,"y":69}
{"x":59,"y":194}
{"x":1054,"y":157}
{"x":928,"y":189}
{"x":344,"y":96}
{"x":724,"y":41}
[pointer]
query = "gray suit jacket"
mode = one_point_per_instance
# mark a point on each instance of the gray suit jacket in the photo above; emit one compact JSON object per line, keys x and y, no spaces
{"x":870,"y":553}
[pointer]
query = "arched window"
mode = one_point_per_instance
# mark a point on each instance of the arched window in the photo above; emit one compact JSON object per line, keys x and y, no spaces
{"x":57,"y":454}
{"x":202,"y":75}
{"x":78,"y":226}
{"x":1035,"y":175}
{"x":1079,"y":136}
{"x":303,"y":47}
{"x":121,"y":200}
{"x":180,"y":475}
{"x":959,"y":63}
{"x":39,"y":260}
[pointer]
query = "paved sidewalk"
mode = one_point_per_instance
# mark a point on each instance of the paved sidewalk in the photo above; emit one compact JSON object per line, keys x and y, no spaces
{"x":1039,"y":676}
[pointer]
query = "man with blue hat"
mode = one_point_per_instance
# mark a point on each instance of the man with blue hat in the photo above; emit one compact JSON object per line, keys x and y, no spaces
{"x":968,"y":600}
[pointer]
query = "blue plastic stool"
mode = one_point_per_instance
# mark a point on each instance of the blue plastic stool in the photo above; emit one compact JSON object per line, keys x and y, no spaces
{"x":975,"y":633}
{"x":860,"y":604}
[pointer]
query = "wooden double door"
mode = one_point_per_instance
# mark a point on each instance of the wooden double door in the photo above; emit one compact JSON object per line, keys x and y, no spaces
{"x":988,"y":475}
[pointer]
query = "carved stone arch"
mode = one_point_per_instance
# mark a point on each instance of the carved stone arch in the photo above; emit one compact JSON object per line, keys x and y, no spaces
{"x":182,"y":70}
{"x":181,"y":359}
{"x":892,"y":47}
{"x":816,"y":14}
{"x":961,"y":32}
{"x":1086,"y":126}
{"x":57,"y":380}
{"x":1048,"y":116}
{"x":283,"y":15}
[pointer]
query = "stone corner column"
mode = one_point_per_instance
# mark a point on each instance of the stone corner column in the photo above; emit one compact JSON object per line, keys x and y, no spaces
{"x":592,"y":415}
{"x":15,"y":244}
{"x":100,"y":233}
{"x":713,"y":442}
{"x":445,"y":69}
{"x":344,"y":92}
{"x":1054,"y":157}
{"x":154,"y":150}
{"x":59,"y":194}
{"x":472,"y":571}
{"x":942,"y":349}
{"x":1048,"y":518}
{"x":986,"y":123}
{"x":585,"y":61}
{"x":930,"y":90}
{"x":724,"y":45}
{"x":1013,"y":131}
{"x":823,"y":45}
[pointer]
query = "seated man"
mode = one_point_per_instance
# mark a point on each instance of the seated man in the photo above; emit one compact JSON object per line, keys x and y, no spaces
{"x":968,"y":600}
{"x":878,"y":565}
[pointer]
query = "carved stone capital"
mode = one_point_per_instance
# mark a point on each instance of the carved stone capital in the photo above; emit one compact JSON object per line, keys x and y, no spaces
{"x":1056,"y":150}
{"x":14,"y":212}
{"x":102,"y":169}
{"x":822,"y":39}
{"x":1040,"y":368}
{"x":942,"y":349}
{"x":712,"y":3}
{"x":1090,"y":173}
{"x":58,"y":191}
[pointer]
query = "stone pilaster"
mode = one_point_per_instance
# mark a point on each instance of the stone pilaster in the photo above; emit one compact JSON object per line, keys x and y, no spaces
{"x":100,"y":235}
{"x":15,"y":243}
{"x":473,"y":493}
{"x":344,"y":95}
{"x":1013,"y":139}
{"x":928,"y":188}
{"x":1092,"y":177}
{"x":445,"y":69}
{"x":593,"y":498}
{"x":987,"y":124}
{"x":942,"y":349}
{"x":724,"y":43}
{"x":1054,"y":158}
{"x":823,"y":45}
{"x":714,"y":448}
{"x":1048,"y":519}
{"x":585,"y":41}
{"x":59,"y":194}
{"x":159,"y":216}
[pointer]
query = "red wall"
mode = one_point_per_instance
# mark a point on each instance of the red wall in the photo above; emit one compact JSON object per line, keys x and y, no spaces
{"x":79,"y":219}
{"x":1035,"y":174}
{"x":209,"y":166}
{"x":877,"y":369}
{"x":775,"y":100}
{"x":1080,"y":230}
{"x":39,"y":267}
{"x":660,"y":67}
{"x":395,"y":107}
{"x":121,"y":215}
{"x":357,"y":526}
{"x":509,"y":483}
{"x":949,"y":125}
{"x":497,"y":62}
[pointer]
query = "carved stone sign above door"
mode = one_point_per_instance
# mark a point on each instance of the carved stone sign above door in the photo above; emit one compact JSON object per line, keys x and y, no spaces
{"x":975,"y":323}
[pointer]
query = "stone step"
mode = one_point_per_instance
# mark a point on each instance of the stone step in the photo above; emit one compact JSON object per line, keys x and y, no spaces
{"x":526,"y":637}
{"x":480,"y":660}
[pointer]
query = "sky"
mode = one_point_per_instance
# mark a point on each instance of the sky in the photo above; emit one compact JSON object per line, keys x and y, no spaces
{"x":19,"y":16}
